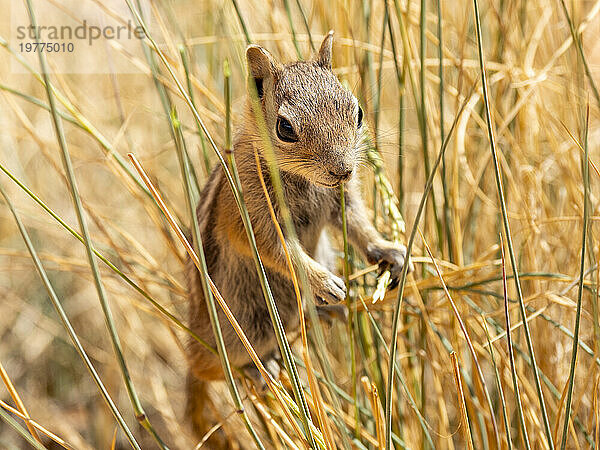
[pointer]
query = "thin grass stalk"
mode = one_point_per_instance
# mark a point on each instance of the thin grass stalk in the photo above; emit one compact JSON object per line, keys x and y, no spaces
{"x":561,"y":403}
{"x":67,"y":324}
{"x":279,"y":393}
{"x":165,"y":100}
{"x":419,"y":97}
{"x":66,"y":159}
{"x":38,"y":427}
{"x":371,"y":391}
{"x":423,"y":112}
{"x":379,"y":87}
{"x":400,"y":80}
{"x":446,"y":206}
{"x":467,"y":339}
{"x":238,"y":196}
{"x":19,"y":429}
{"x":425,"y":148}
{"x":306,"y":25}
{"x":18,"y":402}
{"x":186,"y":68}
{"x":579,"y":45}
{"x":288,"y":12}
{"x":461,"y":400}
{"x":506,"y":224}
{"x":406,"y":55}
{"x":350,"y":324}
{"x":110,"y":265}
{"x":498,"y":385}
{"x":511,"y":356}
{"x":378,"y":418}
{"x":402,"y":283}
{"x":42,"y":105}
{"x":238,"y":13}
{"x":586,"y":194}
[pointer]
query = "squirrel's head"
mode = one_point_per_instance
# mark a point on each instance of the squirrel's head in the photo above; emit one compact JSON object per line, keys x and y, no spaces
{"x":313,"y":121}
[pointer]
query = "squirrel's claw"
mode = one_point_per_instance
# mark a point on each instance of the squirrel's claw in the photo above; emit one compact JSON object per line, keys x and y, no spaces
{"x":389,"y":256}
{"x":332,"y":290}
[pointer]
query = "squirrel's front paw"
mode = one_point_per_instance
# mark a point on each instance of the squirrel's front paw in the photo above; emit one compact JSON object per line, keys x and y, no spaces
{"x":390,"y":257}
{"x":328,"y":288}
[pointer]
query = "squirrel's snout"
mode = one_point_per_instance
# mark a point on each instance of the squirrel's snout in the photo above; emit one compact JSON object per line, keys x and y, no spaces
{"x":342,"y":175}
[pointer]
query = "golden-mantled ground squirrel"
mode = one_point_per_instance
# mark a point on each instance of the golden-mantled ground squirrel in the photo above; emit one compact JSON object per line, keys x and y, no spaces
{"x":315,"y":126}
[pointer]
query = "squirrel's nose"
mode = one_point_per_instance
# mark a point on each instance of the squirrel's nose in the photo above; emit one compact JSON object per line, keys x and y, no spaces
{"x":342,"y":175}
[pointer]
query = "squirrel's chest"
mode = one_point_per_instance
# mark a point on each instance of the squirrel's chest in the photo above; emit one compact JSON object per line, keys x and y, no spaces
{"x":311,"y":209}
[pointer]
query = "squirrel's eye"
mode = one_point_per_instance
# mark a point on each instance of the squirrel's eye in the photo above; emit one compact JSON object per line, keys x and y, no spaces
{"x":285,"y":131}
{"x":360,"y":117}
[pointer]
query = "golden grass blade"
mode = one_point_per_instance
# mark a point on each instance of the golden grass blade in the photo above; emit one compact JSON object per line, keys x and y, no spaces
{"x":373,"y":396}
{"x":114,"y":440}
{"x":17,"y":399}
{"x":37,"y":426}
{"x":461,"y":401}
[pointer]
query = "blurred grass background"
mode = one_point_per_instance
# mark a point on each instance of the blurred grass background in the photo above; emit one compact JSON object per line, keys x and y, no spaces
{"x":539,"y":87}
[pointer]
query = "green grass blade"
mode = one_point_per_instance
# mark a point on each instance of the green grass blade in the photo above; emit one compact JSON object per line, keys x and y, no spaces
{"x":351,"y":319}
{"x":288,"y":13}
{"x":446,"y":206}
{"x":188,"y":79}
{"x":19,"y":429}
{"x":238,"y":12}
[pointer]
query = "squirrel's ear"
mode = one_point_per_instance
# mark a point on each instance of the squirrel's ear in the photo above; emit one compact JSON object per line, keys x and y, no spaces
{"x":261,"y":65}
{"x":324,"y":56}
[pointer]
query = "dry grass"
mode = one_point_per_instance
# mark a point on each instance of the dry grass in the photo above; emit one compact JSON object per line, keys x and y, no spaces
{"x":539,"y":87}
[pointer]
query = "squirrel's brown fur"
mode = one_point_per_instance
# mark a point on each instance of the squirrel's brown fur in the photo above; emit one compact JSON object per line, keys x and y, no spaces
{"x":327,"y":129}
